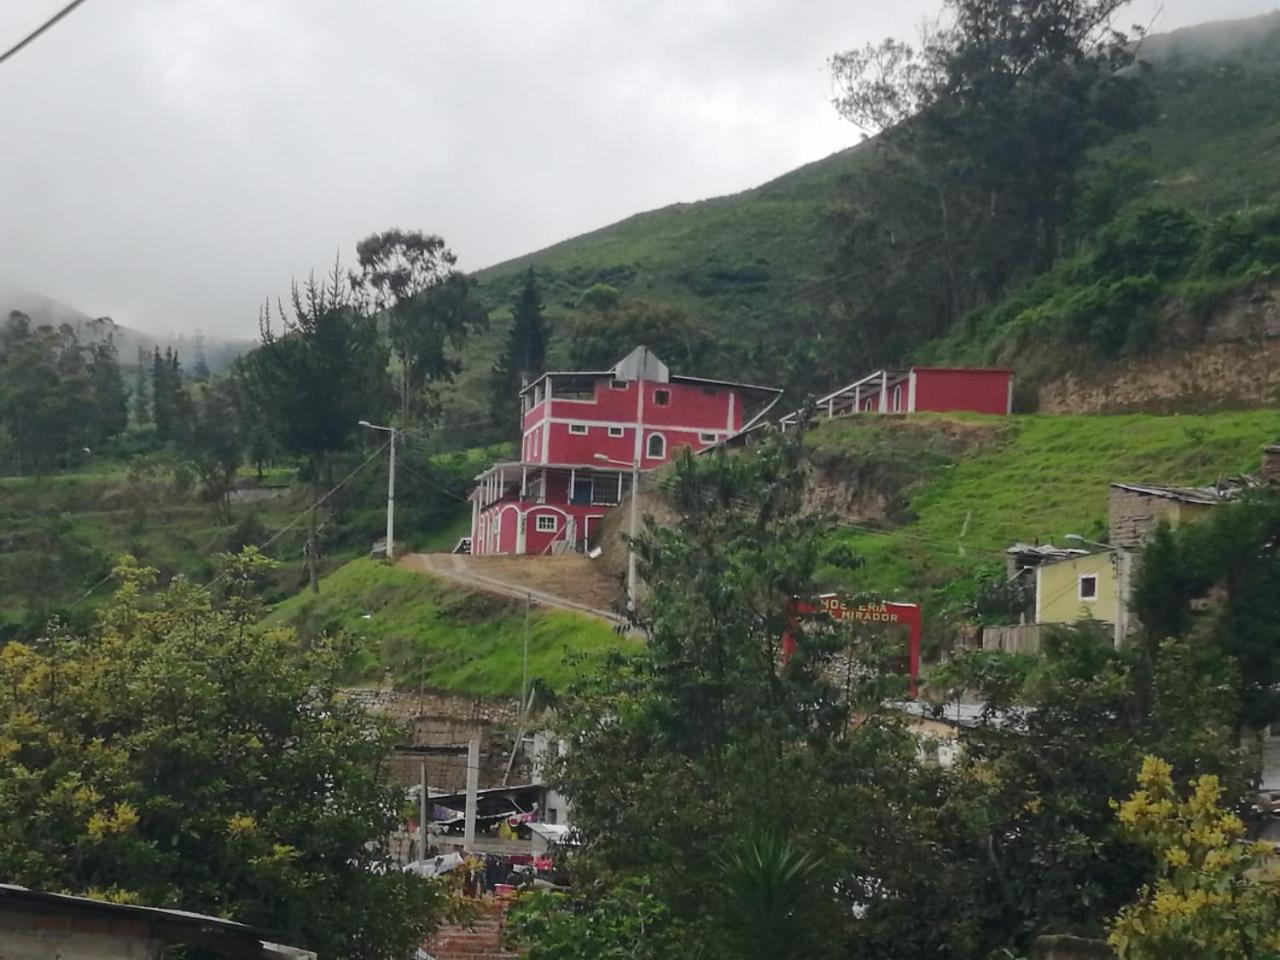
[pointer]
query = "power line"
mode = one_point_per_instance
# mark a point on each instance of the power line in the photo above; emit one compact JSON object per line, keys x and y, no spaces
{"x":29,"y":38}
{"x":279,"y":533}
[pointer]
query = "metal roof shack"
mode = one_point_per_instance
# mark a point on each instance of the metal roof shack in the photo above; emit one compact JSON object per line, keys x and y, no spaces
{"x":35,"y":925}
{"x":1135,"y":509}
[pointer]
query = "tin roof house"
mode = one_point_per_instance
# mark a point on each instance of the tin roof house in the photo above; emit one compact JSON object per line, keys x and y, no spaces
{"x":919,"y":390}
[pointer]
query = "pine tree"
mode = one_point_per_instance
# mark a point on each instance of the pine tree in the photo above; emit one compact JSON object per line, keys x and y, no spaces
{"x":525,"y":353}
{"x":109,"y":397}
{"x":141,"y":394}
{"x":200,"y":369}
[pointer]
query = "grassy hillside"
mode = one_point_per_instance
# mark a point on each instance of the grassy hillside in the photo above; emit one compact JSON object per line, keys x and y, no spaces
{"x":409,"y":629}
{"x":973,"y":485}
{"x":749,"y":262}
{"x":60,"y":535}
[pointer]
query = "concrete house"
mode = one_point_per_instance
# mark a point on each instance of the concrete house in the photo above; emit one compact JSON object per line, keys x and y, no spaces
{"x":584,"y":435}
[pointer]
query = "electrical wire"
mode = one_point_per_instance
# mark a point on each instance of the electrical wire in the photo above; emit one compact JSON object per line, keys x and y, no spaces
{"x":278,"y":534}
{"x":31,"y":37}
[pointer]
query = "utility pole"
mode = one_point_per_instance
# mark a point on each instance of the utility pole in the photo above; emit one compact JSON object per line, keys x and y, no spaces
{"x":524,"y":677}
{"x":634,"y":514}
{"x":473,"y":785}
{"x":422,"y":811}
{"x":391,"y":488}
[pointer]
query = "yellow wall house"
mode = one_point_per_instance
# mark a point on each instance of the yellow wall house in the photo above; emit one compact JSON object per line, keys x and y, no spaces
{"x":1078,"y":588}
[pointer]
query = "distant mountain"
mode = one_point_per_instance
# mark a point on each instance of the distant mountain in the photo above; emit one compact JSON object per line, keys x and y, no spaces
{"x":43,"y":310}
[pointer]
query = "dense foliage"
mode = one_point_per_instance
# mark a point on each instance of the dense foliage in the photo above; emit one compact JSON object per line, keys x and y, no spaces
{"x":411,"y":279}
{"x":1217,"y":583}
{"x":524,"y":355}
{"x":710,"y":778}
{"x":1216,"y":895}
{"x":60,"y":398}
{"x":176,"y":755}
{"x":1145,"y":280}
{"x":986,"y":127}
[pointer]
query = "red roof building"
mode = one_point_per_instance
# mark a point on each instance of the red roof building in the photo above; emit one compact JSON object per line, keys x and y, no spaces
{"x":920,"y":390}
{"x":582,"y":433}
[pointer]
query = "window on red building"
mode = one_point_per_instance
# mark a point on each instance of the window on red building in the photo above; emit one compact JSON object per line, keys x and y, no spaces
{"x":546,"y":523}
{"x":615,"y":431}
{"x":580,"y":429}
{"x":657,"y":448}
{"x":661,"y":397}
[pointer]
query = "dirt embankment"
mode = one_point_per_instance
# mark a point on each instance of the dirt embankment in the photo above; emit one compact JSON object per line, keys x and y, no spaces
{"x":1228,"y":358}
{"x":864,"y":469}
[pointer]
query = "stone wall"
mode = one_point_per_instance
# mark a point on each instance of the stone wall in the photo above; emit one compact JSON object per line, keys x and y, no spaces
{"x":1229,"y":359}
{"x":1132,"y":515}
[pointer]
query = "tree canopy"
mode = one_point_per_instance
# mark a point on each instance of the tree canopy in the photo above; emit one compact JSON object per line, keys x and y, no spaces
{"x":176,"y":755}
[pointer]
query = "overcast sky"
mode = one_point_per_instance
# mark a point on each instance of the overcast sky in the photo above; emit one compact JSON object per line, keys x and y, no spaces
{"x":173,"y":162}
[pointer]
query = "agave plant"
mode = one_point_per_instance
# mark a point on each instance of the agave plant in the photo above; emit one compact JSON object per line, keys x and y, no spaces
{"x":767,"y":891}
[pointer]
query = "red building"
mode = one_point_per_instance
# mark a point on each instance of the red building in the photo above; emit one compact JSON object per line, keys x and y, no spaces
{"x":921,"y":390}
{"x":583,"y":431}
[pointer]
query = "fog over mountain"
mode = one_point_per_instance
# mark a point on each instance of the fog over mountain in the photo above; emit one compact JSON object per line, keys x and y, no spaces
{"x":172,"y":163}
{"x":219,"y":351}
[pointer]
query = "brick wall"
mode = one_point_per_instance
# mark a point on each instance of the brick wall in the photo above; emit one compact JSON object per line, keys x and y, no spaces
{"x":480,"y":941}
{"x":1131,"y":516}
{"x":1270,"y":472}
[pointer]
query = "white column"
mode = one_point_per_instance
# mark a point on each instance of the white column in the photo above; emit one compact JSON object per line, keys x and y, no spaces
{"x":524,"y":481}
{"x":422,"y":811}
{"x":639,"y":444}
{"x":857,"y":399}
{"x":884,"y":391}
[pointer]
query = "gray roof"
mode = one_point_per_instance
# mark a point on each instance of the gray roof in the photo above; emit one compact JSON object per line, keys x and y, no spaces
{"x":180,"y":922}
{"x":1210,"y":496}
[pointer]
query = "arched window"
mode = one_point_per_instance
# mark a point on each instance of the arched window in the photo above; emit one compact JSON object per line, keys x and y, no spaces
{"x":897,"y":399}
{"x":657,"y":448}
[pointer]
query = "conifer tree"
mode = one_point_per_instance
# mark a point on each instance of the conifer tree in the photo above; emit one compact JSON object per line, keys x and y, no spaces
{"x":525,"y":353}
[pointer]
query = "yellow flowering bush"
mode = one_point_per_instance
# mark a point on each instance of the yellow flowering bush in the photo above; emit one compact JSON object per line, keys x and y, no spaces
{"x":1216,"y":895}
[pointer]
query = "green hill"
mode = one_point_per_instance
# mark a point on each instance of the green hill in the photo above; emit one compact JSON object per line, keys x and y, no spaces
{"x":752,"y":266}
{"x":948,"y":494}
{"x":410,"y":629}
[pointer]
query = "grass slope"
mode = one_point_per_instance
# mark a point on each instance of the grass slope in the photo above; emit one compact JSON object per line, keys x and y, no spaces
{"x":1021,"y":478}
{"x":60,"y":535}
{"x":410,"y":629}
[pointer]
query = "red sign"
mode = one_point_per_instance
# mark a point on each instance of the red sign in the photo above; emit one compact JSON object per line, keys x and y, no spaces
{"x":871,"y":611}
